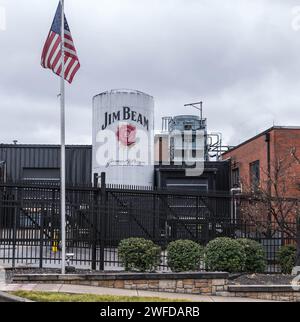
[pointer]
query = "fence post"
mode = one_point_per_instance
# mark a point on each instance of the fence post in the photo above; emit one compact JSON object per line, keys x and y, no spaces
{"x":95,"y":223}
{"x":15,"y":229}
{"x":197,"y":220}
{"x":155,"y":221}
{"x":42,"y":235}
{"x":102,"y":220}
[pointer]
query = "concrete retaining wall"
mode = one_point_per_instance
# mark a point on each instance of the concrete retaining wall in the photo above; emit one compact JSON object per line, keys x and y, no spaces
{"x":188,"y":283}
{"x":271,"y":293}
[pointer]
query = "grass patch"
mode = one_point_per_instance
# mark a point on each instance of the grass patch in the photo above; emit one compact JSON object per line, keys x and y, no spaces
{"x":66,"y":297}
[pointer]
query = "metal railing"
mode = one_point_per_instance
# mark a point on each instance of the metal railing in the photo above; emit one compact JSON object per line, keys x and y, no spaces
{"x":99,"y":218}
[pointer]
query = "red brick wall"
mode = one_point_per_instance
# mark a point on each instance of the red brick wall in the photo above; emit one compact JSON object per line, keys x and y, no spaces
{"x":285,"y":141}
{"x":244,"y":155}
{"x":282,"y":141}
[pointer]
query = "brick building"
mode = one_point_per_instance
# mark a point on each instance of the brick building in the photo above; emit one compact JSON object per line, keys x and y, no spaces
{"x":256,"y":160}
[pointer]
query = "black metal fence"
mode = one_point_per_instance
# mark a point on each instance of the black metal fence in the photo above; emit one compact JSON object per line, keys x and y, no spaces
{"x":99,"y":218}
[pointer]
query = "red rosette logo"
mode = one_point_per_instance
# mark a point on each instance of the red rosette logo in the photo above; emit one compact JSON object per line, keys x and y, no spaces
{"x":126,"y":134}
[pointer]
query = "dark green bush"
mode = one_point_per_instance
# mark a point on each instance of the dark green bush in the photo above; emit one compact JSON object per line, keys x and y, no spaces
{"x":255,"y":256}
{"x":184,"y":256}
{"x":138,"y":254}
{"x":287,"y":258}
{"x":225,"y":254}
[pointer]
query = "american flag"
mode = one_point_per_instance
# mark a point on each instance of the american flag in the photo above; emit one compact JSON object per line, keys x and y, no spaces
{"x":51,"y":57}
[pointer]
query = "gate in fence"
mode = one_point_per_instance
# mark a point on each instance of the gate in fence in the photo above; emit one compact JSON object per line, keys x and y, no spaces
{"x":99,"y":218}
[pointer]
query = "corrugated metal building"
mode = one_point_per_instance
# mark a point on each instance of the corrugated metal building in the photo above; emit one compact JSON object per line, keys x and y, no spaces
{"x":42,"y":162}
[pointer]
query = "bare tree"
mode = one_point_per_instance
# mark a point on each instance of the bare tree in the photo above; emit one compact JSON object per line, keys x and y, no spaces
{"x":295,"y":156}
{"x":270,"y":207}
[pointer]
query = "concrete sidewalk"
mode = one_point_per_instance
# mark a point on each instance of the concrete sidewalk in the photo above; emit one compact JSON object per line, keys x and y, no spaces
{"x":74,"y":289}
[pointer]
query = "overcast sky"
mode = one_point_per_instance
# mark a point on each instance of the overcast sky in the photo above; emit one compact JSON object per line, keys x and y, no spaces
{"x":241,"y":57}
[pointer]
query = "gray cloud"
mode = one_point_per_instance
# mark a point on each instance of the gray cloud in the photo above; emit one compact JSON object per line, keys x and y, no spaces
{"x":240,"y":57}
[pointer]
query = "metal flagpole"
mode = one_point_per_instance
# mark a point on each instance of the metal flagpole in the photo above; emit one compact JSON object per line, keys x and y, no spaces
{"x":63,"y":147}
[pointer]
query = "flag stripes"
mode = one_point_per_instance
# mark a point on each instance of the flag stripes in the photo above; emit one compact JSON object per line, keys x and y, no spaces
{"x":51,"y":56}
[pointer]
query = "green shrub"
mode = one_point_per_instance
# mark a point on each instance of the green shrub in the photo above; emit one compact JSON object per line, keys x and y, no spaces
{"x":255,"y":256}
{"x":225,"y":254}
{"x":287,"y":258}
{"x":184,"y":256}
{"x":139,"y":254}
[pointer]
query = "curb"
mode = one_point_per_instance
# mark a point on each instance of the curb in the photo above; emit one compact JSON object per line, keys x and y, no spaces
{"x":5,"y":297}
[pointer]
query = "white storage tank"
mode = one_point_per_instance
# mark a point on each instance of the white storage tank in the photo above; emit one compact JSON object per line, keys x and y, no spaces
{"x":123,"y":137}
